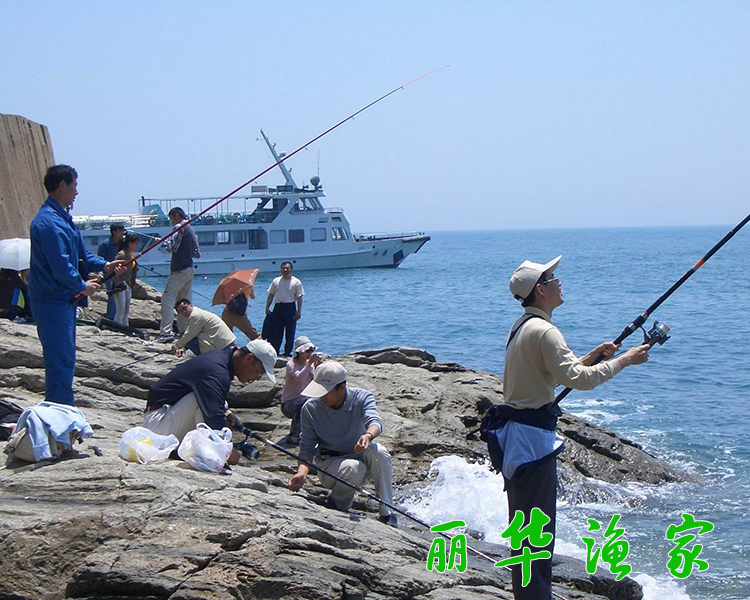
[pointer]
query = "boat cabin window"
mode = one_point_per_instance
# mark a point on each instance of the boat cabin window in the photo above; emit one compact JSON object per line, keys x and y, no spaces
{"x":318,"y":234}
{"x":306,"y":204}
{"x":257,"y":239}
{"x":206,"y":238}
{"x":222,"y":237}
{"x":339,"y":233}
{"x":239,"y":237}
{"x":296,"y":236}
{"x":336,"y":219}
{"x":278,"y":236}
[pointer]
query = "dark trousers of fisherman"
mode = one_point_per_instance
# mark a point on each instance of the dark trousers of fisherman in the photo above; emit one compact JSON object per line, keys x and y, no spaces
{"x":535,"y":486}
{"x":282,"y":324}
{"x":56,"y":325}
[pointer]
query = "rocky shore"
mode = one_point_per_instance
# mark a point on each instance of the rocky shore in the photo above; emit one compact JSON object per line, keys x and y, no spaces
{"x":97,"y":527}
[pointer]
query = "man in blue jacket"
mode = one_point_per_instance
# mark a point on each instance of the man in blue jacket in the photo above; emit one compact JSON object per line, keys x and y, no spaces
{"x":60,"y":265}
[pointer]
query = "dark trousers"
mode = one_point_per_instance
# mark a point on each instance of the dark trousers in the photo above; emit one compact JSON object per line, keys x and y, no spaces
{"x":194,"y":345}
{"x":293,"y":410}
{"x":534,"y":487}
{"x":281,"y":324}
{"x":111,"y":303}
{"x":56,"y":325}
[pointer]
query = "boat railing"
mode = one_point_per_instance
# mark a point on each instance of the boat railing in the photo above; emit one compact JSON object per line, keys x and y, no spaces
{"x":373,"y":237}
{"x":335,"y":210}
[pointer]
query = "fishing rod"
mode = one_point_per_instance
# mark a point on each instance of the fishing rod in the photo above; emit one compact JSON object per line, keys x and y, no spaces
{"x":130,"y":364}
{"x":641,"y":319}
{"x":187,"y":222}
{"x":253,"y":453}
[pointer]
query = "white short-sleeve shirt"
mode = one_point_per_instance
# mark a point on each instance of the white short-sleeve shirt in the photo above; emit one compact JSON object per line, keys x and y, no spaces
{"x":286,"y":290}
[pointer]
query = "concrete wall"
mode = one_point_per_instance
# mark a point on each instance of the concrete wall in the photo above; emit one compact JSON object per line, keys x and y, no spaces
{"x":25,"y":155}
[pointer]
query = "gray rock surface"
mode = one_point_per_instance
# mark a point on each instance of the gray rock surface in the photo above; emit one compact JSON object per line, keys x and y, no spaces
{"x":98,"y":527}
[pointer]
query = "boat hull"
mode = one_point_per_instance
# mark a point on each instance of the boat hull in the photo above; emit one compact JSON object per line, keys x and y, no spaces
{"x":383,"y":252}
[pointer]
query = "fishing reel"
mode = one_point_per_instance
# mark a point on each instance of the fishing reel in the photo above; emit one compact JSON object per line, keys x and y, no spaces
{"x":248,"y":450}
{"x":658,"y":334}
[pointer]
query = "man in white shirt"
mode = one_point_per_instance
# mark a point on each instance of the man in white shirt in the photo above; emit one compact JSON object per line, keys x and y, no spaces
{"x":286,"y":293}
{"x":205,"y":331}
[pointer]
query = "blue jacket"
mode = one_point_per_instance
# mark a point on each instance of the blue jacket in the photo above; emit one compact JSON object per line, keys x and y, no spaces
{"x":107,"y":250}
{"x":57,"y":251}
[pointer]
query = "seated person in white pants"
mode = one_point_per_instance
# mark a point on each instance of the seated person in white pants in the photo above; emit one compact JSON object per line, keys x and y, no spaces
{"x":196,"y":390}
{"x":343,"y":422}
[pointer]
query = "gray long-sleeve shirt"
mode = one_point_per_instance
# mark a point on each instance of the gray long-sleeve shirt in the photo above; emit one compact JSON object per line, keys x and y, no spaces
{"x":337,"y":429}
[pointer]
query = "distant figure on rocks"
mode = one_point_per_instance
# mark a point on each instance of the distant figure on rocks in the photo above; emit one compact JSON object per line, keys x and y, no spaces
{"x":196,"y":390}
{"x":184,"y":248}
{"x":339,"y":424}
{"x":299,"y":373}
{"x":286,"y":293}
{"x":235,"y":315}
{"x":14,"y":297}
{"x":123,"y":284}
{"x":522,"y":436}
{"x":60,"y":266}
{"x":205,"y":331}
{"x":108,"y":249}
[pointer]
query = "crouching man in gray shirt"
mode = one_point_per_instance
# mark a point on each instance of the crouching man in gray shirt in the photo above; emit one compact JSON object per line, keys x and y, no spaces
{"x":343,"y":422}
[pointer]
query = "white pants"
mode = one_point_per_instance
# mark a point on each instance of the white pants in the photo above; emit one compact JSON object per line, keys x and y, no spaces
{"x":179,"y":285}
{"x":374,"y":463}
{"x":177,"y":419}
{"x":122,"y":304}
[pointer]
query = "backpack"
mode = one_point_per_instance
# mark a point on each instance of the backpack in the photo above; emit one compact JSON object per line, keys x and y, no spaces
{"x":20,"y":447}
{"x":238,"y":304}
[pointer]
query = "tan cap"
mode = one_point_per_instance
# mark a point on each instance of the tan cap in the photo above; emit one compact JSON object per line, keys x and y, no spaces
{"x":526,"y":276}
{"x":327,"y":376}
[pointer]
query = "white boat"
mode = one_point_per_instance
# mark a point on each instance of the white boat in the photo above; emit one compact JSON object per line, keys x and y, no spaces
{"x":261,"y":230}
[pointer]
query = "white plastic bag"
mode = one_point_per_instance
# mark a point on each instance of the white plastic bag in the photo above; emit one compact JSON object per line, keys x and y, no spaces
{"x":206,"y":449}
{"x":144,"y":446}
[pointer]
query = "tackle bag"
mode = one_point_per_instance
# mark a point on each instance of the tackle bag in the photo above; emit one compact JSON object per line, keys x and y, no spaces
{"x":46,"y":432}
{"x":206,"y":449}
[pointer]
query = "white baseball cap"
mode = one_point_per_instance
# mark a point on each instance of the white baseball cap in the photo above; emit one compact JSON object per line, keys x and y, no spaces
{"x":526,"y":276}
{"x":327,"y":376}
{"x":265,"y":353}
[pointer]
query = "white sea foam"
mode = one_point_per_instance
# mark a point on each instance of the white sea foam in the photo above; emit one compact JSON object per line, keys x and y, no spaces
{"x":470,"y":492}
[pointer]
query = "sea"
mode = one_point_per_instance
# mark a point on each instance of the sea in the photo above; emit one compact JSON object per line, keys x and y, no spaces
{"x":688,"y":405}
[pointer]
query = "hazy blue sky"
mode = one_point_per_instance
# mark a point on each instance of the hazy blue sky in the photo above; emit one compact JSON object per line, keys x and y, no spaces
{"x":552,"y":114}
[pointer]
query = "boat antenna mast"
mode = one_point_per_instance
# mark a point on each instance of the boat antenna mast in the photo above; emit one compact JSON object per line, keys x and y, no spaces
{"x":277,"y":157}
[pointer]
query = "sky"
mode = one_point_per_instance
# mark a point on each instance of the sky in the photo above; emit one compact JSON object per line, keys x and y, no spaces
{"x":550,"y":114}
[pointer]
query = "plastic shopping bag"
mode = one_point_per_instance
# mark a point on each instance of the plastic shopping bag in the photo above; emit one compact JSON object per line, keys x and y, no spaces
{"x":144,"y":446}
{"x":206,"y":449}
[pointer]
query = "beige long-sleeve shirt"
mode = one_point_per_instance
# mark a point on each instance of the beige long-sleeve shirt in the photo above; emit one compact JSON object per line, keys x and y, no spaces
{"x":211,"y":331}
{"x":538,"y":359}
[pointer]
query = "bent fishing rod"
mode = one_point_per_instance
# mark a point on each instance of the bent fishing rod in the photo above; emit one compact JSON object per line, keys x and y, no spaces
{"x":250,"y":433}
{"x":187,"y":222}
{"x":641,"y":319}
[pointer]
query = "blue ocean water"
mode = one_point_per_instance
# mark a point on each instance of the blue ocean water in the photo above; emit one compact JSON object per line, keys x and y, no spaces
{"x":688,"y":405}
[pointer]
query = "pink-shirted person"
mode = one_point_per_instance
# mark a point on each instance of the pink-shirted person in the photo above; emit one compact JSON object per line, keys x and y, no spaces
{"x":300,"y":370}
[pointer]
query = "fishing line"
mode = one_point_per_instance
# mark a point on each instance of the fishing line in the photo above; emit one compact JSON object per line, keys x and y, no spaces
{"x":250,"y":433}
{"x":187,"y":222}
{"x":166,"y":276}
{"x":641,"y":319}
